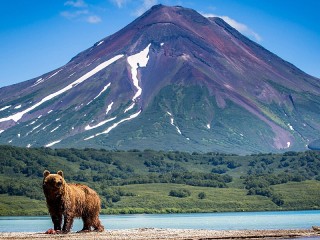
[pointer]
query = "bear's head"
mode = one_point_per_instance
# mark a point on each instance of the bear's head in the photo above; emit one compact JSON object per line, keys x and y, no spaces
{"x":53,"y":183}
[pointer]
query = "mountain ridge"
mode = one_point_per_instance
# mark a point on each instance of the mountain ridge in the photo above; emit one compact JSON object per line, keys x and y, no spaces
{"x":121,"y":79}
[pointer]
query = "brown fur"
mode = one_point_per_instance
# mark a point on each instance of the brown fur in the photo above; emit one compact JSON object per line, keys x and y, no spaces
{"x":70,"y":201}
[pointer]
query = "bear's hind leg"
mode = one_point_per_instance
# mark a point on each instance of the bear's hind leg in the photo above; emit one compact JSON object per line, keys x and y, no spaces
{"x":94,"y":222}
{"x":97,"y":225}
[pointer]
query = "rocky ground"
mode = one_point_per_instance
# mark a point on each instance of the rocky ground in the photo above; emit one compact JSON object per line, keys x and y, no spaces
{"x":176,"y":234}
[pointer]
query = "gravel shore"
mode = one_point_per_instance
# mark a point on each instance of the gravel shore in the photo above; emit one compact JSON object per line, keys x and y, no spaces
{"x":159,"y":234}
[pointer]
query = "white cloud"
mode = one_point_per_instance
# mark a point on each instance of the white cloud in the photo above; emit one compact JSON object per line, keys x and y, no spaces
{"x":76,"y":3}
{"x":244,"y":29}
{"x":73,"y":14}
{"x":146,"y":4}
{"x":93,"y":19}
{"x":143,"y":5}
{"x":120,"y":3}
{"x":84,"y":15}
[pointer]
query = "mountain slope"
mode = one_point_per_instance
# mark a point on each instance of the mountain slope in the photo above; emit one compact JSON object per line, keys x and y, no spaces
{"x":172,"y":80}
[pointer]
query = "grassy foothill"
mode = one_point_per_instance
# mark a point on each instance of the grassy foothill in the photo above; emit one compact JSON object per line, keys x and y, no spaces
{"x":163,"y":182}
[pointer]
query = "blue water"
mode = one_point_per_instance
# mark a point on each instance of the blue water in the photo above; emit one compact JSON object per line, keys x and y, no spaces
{"x":215,"y":221}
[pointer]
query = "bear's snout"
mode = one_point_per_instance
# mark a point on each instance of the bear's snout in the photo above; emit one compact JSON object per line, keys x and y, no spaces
{"x":59,"y":184}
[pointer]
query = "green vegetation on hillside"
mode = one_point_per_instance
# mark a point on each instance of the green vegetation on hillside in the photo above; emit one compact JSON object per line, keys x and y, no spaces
{"x":163,"y":182}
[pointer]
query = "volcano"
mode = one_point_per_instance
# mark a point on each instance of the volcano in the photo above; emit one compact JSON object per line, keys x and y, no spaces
{"x":170,"y":80}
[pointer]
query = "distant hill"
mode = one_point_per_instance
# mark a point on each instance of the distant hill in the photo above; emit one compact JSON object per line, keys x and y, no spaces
{"x":170,"y":80}
{"x":163,"y":182}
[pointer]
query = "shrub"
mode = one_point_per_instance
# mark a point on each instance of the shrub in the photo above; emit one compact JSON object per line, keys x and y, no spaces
{"x":180,"y":193}
{"x":219,"y":170}
{"x":202,"y":195}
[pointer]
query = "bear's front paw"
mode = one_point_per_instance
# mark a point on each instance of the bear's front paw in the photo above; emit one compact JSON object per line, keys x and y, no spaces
{"x":52,"y":231}
{"x":84,"y":231}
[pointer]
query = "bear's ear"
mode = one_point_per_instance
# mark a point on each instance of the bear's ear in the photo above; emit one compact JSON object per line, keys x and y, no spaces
{"x":60,"y":173}
{"x":46,"y":173}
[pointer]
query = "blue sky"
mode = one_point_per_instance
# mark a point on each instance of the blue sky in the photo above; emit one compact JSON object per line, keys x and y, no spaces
{"x":37,"y":36}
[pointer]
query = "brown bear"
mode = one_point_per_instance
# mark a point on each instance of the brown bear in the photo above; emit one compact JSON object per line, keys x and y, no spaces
{"x":70,"y":200}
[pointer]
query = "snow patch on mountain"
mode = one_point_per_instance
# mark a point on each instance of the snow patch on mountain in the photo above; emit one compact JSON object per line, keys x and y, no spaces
{"x":129,"y":108}
{"x":88,"y":127}
{"x":36,"y":127}
{"x":33,"y":122}
{"x":109,"y":108}
{"x":172,"y":122}
{"x":44,"y":128}
{"x":100,"y":43}
{"x":102,"y":91}
{"x":54,"y":74}
{"x":135,"y":61}
{"x":4,"y":108}
{"x":71,"y":74}
{"x":114,"y":125}
{"x":290,"y":127}
{"x":121,"y":121}
{"x":40,"y":80}
{"x":55,"y":129}
{"x":16,"y":117}
{"x":52,"y":143}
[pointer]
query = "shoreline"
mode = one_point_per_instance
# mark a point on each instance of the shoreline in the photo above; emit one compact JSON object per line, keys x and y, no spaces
{"x":174,"y":234}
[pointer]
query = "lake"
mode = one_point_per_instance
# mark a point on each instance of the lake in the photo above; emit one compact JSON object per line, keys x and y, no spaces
{"x":215,"y":221}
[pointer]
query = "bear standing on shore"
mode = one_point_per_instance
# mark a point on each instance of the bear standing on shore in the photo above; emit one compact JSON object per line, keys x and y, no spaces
{"x":70,"y":201}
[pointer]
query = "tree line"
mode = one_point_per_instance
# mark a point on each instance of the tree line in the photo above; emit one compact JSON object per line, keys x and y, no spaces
{"x":21,"y":169}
